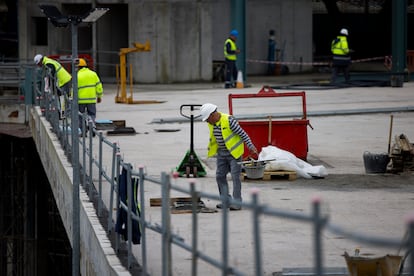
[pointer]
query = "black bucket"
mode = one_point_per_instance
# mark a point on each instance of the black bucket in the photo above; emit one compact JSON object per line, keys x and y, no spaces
{"x":376,"y":163}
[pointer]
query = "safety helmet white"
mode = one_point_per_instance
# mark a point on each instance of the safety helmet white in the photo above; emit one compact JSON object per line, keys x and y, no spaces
{"x":37,"y":58}
{"x":344,"y":31}
{"x":206,"y":109}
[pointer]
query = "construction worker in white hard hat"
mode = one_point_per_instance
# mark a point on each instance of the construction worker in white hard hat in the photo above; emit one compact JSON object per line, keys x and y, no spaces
{"x":341,"y":59}
{"x":227,"y":141}
{"x":90,"y":91}
{"x":59,"y":76}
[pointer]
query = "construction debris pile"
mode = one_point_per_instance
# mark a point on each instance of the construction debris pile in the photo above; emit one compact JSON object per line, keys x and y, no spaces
{"x":401,"y":155}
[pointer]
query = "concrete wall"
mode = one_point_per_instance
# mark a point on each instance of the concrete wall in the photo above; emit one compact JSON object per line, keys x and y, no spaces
{"x":186,"y":36}
{"x":291,"y":20}
{"x":97,"y":255}
{"x":180,"y":35}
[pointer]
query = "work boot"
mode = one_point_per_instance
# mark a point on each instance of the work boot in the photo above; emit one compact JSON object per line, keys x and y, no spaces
{"x":234,"y":207}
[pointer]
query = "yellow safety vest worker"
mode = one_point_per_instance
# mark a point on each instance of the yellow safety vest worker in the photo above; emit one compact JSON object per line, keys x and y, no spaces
{"x":233,"y":142}
{"x":233,"y":48}
{"x":89,"y":86}
{"x":339,"y":46}
{"x":63,"y":76}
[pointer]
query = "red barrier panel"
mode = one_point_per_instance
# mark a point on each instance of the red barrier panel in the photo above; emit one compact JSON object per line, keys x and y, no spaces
{"x":66,"y":60}
{"x":289,"y":135}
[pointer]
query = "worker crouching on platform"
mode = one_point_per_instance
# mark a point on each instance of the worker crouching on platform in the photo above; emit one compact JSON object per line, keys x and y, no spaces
{"x":90,"y":91}
{"x":57,"y":75}
{"x":227,"y":140}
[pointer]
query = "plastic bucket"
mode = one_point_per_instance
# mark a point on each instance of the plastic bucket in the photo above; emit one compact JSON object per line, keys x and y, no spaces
{"x":375,"y":163}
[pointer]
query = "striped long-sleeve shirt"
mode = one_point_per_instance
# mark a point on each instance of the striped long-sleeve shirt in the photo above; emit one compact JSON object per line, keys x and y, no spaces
{"x":236,"y":128}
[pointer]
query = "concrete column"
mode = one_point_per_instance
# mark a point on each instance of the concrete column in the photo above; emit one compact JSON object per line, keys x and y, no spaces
{"x":399,"y":41}
{"x":238,"y":22}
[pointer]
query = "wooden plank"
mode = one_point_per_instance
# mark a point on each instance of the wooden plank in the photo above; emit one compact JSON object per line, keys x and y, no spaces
{"x":157,"y":201}
{"x":270,"y":175}
{"x":275,"y":175}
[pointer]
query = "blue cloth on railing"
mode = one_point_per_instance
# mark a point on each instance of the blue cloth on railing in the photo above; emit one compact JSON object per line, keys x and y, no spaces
{"x":121,"y":226}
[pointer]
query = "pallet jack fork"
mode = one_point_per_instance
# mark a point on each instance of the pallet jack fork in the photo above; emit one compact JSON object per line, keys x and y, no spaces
{"x":191,"y":165}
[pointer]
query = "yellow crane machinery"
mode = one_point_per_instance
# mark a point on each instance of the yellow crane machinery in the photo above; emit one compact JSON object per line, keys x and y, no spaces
{"x":121,"y":95}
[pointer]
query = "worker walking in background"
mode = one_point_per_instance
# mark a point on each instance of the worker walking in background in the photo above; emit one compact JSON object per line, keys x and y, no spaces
{"x":230,"y":56}
{"x":61,"y":77}
{"x":90,"y":91}
{"x":341,"y":59}
{"x":227,"y":140}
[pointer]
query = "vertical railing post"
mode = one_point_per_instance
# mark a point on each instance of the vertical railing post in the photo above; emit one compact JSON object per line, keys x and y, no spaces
{"x":194,"y":248}
{"x":225,"y":227}
{"x":142,"y":220}
{"x":317,"y":229}
{"x":84,"y":182}
{"x":100,"y":154}
{"x":411,"y":242}
{"x":90,"y":181}
{"x":166,"y":225}
{"x":115,"y":164}
{"x":129,"y":214}
{"x":118,"y":200}
{"x":256,"y":232}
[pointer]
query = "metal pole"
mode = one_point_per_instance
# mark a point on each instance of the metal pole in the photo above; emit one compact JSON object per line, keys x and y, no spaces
{"x":142,"y":221}
{"x":238,"y":21}
{"x":317,"y":234}
{"x":166,"y":225}
{"x":129,"y":213}
{"x":399,"y":42}
{"x":75,"y":157}
{"x":256,"y":233}
{"x":94,"y":41}
{"x":194,"y":203}
{"x":411,"y":243}
{"x":225,"y":235}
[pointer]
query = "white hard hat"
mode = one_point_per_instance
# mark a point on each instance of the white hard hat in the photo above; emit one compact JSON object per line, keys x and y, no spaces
{"x":344,"y":31}
{"x":206,"y":109}
{"x":37,"y":58}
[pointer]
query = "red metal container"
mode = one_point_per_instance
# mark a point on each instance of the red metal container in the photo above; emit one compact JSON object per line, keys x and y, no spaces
{"x":66,"y":61}
{"x":290,"y":135}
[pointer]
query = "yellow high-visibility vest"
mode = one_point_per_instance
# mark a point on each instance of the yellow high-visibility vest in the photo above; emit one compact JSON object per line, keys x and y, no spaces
{"x":233,"y":142}
{"x":89,"y":86}
{"x":339,"y":46}
{"x":62,"y":75}
{"x":233,"y":48}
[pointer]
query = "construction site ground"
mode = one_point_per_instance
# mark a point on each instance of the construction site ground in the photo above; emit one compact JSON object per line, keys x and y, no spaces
{"x":372,"y":204}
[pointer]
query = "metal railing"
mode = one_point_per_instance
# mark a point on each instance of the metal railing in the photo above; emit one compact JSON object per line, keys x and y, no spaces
{"x":101,"y":158}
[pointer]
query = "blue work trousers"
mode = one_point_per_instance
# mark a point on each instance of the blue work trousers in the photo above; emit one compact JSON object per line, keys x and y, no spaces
{"x":227,"y":163}
{"x":231,"y":73}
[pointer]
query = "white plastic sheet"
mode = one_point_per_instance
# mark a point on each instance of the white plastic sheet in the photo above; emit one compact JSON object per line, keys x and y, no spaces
{"x":287,"y":161}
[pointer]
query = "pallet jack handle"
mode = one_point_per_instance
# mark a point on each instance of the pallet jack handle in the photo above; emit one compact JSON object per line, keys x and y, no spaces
{"x":191,"y":165}
{"x":191,"y":117}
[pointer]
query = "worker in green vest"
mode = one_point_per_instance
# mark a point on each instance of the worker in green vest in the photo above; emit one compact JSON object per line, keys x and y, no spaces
{"x":341,"y":59}
{"x":59,"y":76}
{"x":90,"y":91}
{"x":230,"y":56}
{"x":227,"y":140}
